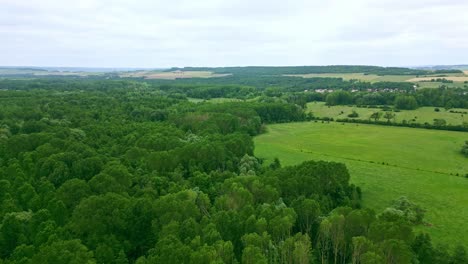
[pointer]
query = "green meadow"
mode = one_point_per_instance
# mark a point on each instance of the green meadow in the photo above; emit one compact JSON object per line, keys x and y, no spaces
{"x":386,"y":162}
{"x":420,"y":115}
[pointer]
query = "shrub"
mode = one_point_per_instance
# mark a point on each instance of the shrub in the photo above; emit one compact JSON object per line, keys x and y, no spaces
{"x":354,"y":114}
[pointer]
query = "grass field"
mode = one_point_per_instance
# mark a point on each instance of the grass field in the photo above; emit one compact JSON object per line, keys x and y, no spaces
{"x":420,"y":115}
{"x":418,"y":164}
{"x":451,"y":78}
{"x":458,"y":78}
{"x":358,"y":76}
{"x":422,"y":85}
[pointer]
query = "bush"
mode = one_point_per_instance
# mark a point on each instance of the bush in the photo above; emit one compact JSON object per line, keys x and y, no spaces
{"x":354,"y":114}
{"x":464,"y":149}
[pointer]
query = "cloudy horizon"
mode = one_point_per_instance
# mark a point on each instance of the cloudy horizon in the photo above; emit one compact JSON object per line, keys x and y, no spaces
{"x":161,"y":34}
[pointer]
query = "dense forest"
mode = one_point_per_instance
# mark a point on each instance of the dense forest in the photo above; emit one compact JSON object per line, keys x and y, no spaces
{"x":106,"y":171}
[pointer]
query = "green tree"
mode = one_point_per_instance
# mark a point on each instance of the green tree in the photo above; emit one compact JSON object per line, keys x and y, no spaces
{"x":459,"y":255}
{"x":308,"y":211}
{"x":70,"y":251}
{"x":440,"y":122}
{"x":253,"y":255}
{"x":389,"y":116}
{"x":376,"y":116}
{"x":406,"y":102}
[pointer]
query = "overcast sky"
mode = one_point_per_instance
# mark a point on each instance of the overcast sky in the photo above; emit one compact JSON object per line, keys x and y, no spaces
{"x":154,"y":33}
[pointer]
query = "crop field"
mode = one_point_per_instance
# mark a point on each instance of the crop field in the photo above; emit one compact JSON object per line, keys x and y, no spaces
{"x":457,"y":77}
{"x":423,"y":81}
{"x":386,"y":162}
{"x":172,"y":75}
{"x":420,"y":115}
{"x":358,"y":76}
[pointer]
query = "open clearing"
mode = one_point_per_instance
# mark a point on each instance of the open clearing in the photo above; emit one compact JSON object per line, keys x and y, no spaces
{"x":419,"y":165}
{"x":172,"y":75}
{"x":420,"y":115}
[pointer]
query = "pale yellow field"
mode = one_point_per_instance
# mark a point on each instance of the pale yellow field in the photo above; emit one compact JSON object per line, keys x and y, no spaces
{"x":456,"y":77}
{"x":172,"y":75}
{"x":345,"y":76}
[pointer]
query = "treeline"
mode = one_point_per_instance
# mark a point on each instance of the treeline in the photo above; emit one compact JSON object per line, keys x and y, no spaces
{"x":261,"y":70}
{"x":286,"y":83}
{"x":404,"y":123}
{"x":442,"y":97}
{"x":69,"y":84}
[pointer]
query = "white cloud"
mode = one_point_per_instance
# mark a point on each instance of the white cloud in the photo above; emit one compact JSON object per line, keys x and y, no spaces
{"x":154,"y":33}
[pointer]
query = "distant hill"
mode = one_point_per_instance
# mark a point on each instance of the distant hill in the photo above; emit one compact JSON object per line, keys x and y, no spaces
{"x":443,"y":67}
{"x":262,"y":70}
{"x":70,"y":69}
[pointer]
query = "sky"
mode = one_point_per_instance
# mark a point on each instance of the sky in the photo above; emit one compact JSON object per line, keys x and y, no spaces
{"x":155,"y":33}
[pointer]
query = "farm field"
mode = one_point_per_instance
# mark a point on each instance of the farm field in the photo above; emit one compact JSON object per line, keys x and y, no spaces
{"x":451,"y":78}
{"x":418,"y":164}
{"x":458,"y":78}
{"x":214,"y":100}
{"x":420,"y":115}
{"x":358,"y":76}
{"x":382,"y":78}
{"x":422,"y":85}
{"x":171,"y":75}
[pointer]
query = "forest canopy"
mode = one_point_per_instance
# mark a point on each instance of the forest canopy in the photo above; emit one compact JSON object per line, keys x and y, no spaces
{"x":118,"y":171}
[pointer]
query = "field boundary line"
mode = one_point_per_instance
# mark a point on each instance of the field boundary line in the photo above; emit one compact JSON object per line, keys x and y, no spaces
{"x":377,"y":163}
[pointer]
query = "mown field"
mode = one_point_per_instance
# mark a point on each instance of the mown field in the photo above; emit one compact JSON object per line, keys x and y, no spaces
{"x":420,"y":115}
{"x":422,"y":81}
{"x":386,"y":162}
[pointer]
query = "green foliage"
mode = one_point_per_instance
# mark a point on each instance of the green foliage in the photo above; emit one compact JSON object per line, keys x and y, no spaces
{"x":440,"y":122}
{"x":406,"y":102}
{"x":376,"y":116}
{"x":118,"y":171}
{"x":464,"y":149}
{"x":354,"y":114}
{"x":412,"y":212}
{"x":338,"y":98}
{"x":71,"y":251}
